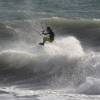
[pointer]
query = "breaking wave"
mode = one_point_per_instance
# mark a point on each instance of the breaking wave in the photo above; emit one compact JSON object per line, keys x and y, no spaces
{"x":71,"y":60}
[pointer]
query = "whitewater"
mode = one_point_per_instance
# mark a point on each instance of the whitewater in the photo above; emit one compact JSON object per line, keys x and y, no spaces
{"x":66,"y":69}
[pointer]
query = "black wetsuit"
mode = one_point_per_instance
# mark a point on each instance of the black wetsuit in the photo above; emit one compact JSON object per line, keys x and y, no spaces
{"x":51,"y":34}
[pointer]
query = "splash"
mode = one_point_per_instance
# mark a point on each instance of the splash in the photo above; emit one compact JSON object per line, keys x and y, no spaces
{"x":69,"y":47}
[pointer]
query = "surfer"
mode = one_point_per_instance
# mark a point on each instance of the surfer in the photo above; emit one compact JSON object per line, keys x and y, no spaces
{"x":48,"y":35}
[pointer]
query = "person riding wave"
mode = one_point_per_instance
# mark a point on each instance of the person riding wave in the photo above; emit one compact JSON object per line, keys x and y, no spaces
{"x":48,"y":36}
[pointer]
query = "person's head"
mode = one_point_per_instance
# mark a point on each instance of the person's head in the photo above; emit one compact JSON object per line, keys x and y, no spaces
{"x":48,"y":28}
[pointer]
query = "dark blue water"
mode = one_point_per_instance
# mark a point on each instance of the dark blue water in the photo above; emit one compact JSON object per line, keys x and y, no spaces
{"x":26,"y":9}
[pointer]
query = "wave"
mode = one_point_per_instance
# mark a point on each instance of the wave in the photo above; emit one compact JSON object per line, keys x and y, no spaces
{"x":91,"y":74}
{"x":86,"y":30}
{"x":69,"y":60}
{"x":18,"y":66}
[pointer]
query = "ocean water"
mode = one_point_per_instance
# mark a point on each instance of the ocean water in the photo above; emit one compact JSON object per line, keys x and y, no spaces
{"x":68,"y":68}
{"x":29,"y":9}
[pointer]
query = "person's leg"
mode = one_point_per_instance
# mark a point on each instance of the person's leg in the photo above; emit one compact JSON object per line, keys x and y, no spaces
{"x":44,"y":40}
{"x":51,"y":40}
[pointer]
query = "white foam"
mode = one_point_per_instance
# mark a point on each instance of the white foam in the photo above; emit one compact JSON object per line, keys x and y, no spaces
{"x":69,"y":47}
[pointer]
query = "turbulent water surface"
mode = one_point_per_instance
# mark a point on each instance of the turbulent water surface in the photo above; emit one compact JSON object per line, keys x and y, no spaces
{"x":68,"y":68}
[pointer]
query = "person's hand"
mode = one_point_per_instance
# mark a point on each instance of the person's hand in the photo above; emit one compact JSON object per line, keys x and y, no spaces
{"x":42,"y":32}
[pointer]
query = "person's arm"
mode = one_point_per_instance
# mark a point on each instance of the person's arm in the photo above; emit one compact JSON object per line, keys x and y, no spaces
{"x":43,"y":32}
